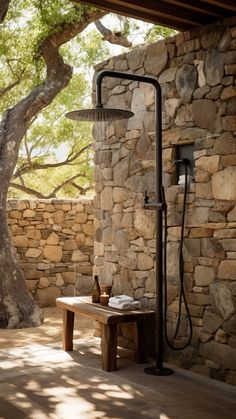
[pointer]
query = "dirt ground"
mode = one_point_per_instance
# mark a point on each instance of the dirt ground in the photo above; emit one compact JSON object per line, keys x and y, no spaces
{"x":49,"y":332}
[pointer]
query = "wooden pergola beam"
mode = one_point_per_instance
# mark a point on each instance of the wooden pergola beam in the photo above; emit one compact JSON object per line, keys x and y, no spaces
{"x":176,"y":14}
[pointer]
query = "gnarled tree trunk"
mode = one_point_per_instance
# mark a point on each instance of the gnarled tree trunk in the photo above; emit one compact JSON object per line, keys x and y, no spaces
{"x":17,"y":307}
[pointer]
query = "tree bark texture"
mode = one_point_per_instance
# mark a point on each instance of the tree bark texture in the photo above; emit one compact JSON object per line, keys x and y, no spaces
{"x":17,"y":307}
{"x":3,"y":9}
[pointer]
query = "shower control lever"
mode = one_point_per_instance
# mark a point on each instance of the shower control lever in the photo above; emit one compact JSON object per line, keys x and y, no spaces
{"x":146,"y":197}
{"x":153,"y":205}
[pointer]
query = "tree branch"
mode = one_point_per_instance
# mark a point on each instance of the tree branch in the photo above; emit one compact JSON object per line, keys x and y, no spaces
{"x":80,"y":189}
{"x":37,"y":194}
{"x":114,"y":38}
{"x":58,"y":75}
{"x":6,"y":89}
{"x":4,"y":4}
{"x":28,"y":167}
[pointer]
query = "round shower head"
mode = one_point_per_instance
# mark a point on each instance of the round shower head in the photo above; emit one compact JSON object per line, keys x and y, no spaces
{"x":99,"y":114}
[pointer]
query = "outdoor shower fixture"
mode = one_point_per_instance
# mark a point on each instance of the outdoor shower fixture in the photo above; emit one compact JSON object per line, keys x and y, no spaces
{"x":99,"y":113}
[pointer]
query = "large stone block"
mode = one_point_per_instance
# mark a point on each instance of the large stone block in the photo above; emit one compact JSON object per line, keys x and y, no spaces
{"x":52,"y":239}
{"x":88,"y":229}
{"x":33,"y":253}
{"x":138,"y":107}
{"x":53,"y":253}
{"x":232,"y":215}
{"x":198,"y":299}
{"x":208,"y":163}
{"x":59,"y":217}
{"x":28,"y":213}
{"x":186,"y":78}
{"x":135,"y":58}
{"x":156,"y":58}
{"x":171,"y":106}
{"x":70,"y":244}
{"x":121,"y":171}
{"x":120,"y":194}
{"x":227,"y":269}
{"x":197,"y":216}
{"x":203,"y":276}
{"x":222,"y":354}
{"x":145,"y":262}
{"x":211,"y":321}
{"x":68,"y":277}
{"x":168,"y":75}
{"x":144,"y":222}
{"x":224,"y":184}
{"x":212,"y":248}
{"x":229,"y":245}
{"x":214,"y":67}
{"x":222,"y":299}
{"x":204,"y":190}
{"x":106,"y":198}
{"x":204,"y":113}
{"x":121,"y":241}
{"x":230,"y":326}
{"x":78,"y":256}
{"x":20,"y":241}
{"x":225,"y":144}
{"x":229,"y":123}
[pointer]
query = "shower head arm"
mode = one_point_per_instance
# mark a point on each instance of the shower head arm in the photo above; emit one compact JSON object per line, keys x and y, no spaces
{"x":121,"y":75}
{"x":158,"y":113}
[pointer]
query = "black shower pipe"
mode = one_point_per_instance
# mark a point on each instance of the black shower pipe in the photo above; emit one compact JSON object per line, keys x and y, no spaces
{"x":158,"y":205}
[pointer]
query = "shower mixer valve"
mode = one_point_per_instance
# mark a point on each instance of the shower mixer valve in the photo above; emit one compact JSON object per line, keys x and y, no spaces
{"x":153,"y":205}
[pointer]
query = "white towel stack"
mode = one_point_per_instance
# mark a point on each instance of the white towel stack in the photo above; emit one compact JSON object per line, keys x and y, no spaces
{"x":123,"y":302}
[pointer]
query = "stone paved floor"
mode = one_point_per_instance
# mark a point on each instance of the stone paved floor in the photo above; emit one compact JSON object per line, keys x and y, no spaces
{"x":38,"y":380}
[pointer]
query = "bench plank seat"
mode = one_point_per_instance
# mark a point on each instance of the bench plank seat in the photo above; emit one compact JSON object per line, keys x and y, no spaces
{"x":108,"y":318}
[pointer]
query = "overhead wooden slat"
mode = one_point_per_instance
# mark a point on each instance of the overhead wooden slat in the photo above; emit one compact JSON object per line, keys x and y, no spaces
{"x":181,"y":15}
{"x":209,"y":9}
{"x":228,"y":4}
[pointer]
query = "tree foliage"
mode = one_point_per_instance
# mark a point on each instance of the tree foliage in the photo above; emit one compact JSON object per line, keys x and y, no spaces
{"x":49,"y":154}
{"x":50,"y":139}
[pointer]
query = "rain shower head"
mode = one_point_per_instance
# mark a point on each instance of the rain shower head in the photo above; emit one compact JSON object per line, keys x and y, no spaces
{"x":99,"y":114}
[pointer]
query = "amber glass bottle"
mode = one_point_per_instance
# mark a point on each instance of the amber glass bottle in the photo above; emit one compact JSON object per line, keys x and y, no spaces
{"x":96,"y":290}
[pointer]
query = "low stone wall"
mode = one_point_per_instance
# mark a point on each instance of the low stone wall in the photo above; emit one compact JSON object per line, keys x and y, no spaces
{"x":54,"y":242}
{"x":196,"y":71}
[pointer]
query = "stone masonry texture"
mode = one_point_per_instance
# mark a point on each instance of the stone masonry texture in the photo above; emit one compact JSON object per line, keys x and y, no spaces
{"x":54,"y":242}
{"x":196,"y":71}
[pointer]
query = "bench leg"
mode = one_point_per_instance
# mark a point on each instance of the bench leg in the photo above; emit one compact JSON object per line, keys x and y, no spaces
{"x":109,"y":346}
{"x":68,"y":328}
{"x":139,"y":343}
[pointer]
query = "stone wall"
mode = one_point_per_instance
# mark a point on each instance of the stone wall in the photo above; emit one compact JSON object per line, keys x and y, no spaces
{"x":196,"y":71}
{"x":54,"y":243}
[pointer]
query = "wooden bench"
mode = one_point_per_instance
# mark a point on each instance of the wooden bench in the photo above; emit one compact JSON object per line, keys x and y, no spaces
{"x":108,"y":318}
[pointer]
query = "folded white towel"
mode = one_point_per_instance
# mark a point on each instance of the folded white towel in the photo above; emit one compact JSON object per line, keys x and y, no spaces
{"x":121,"y":306}
{"x":132,"y":305}
{"x":120,"y":299}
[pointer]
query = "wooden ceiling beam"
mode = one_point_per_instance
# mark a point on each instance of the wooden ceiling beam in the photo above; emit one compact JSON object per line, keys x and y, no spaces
{"x":200,"y":7}
{"x":152,"y":16}
{"x":176,"y":14}
{"x":228,"y":4}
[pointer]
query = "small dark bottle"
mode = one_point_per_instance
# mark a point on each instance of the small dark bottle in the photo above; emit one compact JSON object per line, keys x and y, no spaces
{"x":96,"y":290}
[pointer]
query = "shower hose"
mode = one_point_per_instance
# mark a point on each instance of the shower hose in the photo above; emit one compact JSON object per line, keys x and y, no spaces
{"x":182,"y":295}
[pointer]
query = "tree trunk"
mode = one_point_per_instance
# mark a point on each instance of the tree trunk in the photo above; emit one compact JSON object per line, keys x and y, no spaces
{"x":17,"y":307}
